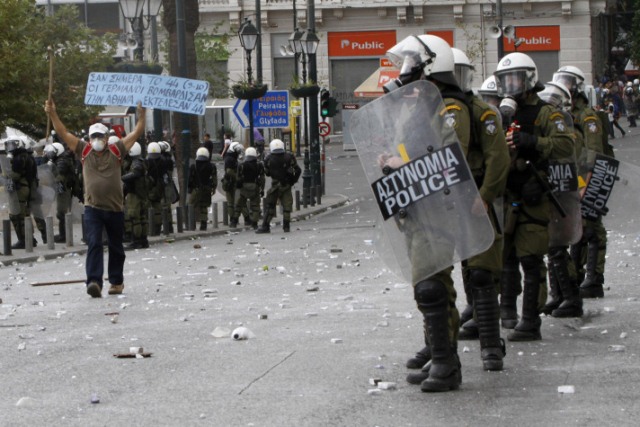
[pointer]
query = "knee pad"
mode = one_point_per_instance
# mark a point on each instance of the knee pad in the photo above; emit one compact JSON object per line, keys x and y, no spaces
{"x":480,"y":278}
{"x":429,"y":290}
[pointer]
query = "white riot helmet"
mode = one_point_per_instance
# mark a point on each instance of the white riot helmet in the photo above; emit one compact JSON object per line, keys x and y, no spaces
{"x":136,"y":150}
{"x":489,"y":91}
{"x":250,"y":152}
{"x":636,"y":82}
{"x":236,"y":147}
{"x":557,"y":95}
{"x":50,"y":152}
{"x":153,"y":151}
{"x":14,"y":144}
{"x":516,"y":74}
{"x":165,"y":147}
{"x":112,"y":140}
{"x":463,"y":69}
{"x":416,"y":56}
{"x":276,"y":146}
{"x":202,"y":154}
{"x":58,"y":147}
{"x":571,"y":77}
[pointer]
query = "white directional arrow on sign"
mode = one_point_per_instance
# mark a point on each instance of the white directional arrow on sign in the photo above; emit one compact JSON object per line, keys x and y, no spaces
{"x":241,"y":111}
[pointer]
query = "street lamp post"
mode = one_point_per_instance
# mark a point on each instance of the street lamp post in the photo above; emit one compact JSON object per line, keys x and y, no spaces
{"x":248,"y":39}
{"x":134,"y":12}
{"x":310,"y":42}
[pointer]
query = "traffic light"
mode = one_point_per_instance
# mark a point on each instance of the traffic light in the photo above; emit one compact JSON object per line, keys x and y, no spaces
{"x":328,"y":104}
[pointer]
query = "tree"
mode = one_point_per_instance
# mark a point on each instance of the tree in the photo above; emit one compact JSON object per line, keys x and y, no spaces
{"x":212,"y":51}
{"x":25,"y":66}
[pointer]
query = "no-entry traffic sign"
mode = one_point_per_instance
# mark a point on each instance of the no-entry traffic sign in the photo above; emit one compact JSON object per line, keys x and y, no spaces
{"x":324,"y":128}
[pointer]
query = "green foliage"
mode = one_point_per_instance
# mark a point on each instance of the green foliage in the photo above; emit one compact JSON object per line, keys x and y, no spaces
{"x":634,"y":40}
{"x":212,"y":52}
{"x":475,"y":45}
{"x":25,"y":34}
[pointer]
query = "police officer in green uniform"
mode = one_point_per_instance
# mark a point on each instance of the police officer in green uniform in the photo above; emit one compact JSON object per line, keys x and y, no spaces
{"x":284,"y":171}
{"x":137,"y":201}
{"x":203,"y":181}
{"x":170,"y":191}
{"x":539,"y":134}
{"x":250,"y":186}
{"x":23,"y":180}
{"x":564,"y":293}
{"x":156,"y":172}
{"x":63,"y":168}
{"x":231,"y":157}
{"x":488,"y":159}
{"x":592,"y":247}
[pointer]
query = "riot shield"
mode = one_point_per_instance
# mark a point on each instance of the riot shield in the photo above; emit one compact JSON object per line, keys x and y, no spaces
{"x":613,"y":192}
{"x":565,"y":228}
{"x":8,"y":200}
{"x":43,"y":196}
{"x":421,"y":182}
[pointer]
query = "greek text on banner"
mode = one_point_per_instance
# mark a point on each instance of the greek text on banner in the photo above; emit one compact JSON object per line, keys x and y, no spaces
{"x":153,"y":91}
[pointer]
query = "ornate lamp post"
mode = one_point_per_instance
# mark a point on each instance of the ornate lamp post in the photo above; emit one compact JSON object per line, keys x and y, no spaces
{"x":293,"y":40}
{"x":134,"y":12}
{"x":309,"y":43}
{"x":248,"y":39}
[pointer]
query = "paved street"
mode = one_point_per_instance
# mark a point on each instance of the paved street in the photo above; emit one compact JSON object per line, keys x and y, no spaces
{"x":325,"y":318}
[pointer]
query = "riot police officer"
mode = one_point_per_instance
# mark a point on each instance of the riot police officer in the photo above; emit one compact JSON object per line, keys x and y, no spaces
{"x":250,"y":186}
{"x":23,"y":180}
{"x":284,"y":171}
{"x":136,"y":201}
{"x":156,"y":171}
{"x":170,"y":192}
{"x":203,"y":181}
{"x":63,"y":168}
{"x":592,"y":247}
{"x":231,"y":157}
{"x":537,"y":133}
{"x":488,"y":158}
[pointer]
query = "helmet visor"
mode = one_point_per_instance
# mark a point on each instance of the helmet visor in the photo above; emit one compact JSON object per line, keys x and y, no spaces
{"x":570,"y":81}
{"x":553,"y":96}
{"x":511,"y":82}
{"x":464,"y":76}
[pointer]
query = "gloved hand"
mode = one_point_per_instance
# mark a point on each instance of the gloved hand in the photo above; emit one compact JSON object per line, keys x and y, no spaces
{"x":60,"y":188}
{"x":524,"y":141}
{"x":10,"y":186}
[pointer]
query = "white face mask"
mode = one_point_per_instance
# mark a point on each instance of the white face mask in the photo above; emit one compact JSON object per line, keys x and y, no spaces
{"x":97,"y":144}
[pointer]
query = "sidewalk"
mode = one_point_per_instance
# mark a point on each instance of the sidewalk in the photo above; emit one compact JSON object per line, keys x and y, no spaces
{"x":42,"y":251}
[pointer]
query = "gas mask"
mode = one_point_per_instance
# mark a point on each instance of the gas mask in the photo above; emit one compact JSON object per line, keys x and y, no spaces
{"x":411,"y":56}
{"x":508,"y":107}
{"x":97,"y":142}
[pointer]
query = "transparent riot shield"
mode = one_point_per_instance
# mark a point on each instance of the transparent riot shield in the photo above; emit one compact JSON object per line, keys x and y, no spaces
{"x":43,"y":196}
{"x":565,"y":228}
{"x":421,"y":182}
{"x":9,"y":203}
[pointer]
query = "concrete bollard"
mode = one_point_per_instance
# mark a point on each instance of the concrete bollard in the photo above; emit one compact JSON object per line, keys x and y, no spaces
{"x":68,"y":231}
{"x":179,"y":219}
{"x":28,"y":235}
{"x":6,"y":236}
{"x":225,"y":213}
{"x":215,"y":214}
{"x":48,"y":225}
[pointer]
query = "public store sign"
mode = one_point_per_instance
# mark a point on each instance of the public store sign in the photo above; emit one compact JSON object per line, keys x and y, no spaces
{"x":361,"y":43}
{"x":270,"y":111}
{"x":162,"y":92}
{"x":544,"y":38}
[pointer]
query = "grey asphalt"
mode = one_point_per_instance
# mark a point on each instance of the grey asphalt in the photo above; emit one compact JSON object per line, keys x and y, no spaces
{"x":327,"y":318}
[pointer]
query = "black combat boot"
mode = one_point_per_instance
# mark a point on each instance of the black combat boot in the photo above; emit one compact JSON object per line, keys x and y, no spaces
{"x":555,"y":292}
{"x":444,"y":372}
{"x":469,"y":330}
{"x":571,"y":306}
{"x":421,"y":360}
{"x":286,"y":226}
{"x":233,"y":223}
{"x":576,"y":252}
{"x":592,"y":285}
{"x":510,"y":288}
{"x":485,"y":300}
{"x":265,"y":227}
{"x":18,"y":225}
{"x":528,"y":328}
{"x":203,"y":225}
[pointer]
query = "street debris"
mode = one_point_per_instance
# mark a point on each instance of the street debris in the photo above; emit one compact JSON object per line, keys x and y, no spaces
{"x":220,"y":332}
{"x":617,"y":348}
{"x":336,"y":340}
{"x":242,"y":333}
{"x":566,"y":389}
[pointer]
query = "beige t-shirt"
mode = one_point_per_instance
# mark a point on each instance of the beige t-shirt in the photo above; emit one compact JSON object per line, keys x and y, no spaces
{"x":102,"y":174}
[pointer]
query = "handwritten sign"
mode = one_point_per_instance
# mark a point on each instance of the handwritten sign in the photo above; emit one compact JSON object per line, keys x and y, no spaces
{"x":153,"y":91}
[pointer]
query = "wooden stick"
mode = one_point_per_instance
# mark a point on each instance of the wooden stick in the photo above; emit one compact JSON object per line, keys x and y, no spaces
{"x":59,"y":282}
{"x":51,"y":56}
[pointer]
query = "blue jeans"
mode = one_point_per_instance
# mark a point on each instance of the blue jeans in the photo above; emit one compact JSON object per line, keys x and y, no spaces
{"x":96,"y":220}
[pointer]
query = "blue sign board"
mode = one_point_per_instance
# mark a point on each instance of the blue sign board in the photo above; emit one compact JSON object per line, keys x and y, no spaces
{"x":270,"y":111}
